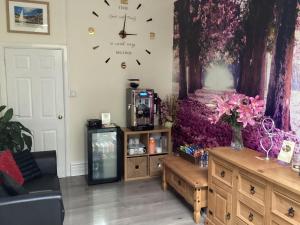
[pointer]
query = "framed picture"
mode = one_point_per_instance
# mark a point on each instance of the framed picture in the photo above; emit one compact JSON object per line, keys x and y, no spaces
{"x":287,"y":151}
{"x":28,"y":17}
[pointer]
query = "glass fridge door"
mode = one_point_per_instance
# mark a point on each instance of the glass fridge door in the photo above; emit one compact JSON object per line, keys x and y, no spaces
{"x":104,"y":155}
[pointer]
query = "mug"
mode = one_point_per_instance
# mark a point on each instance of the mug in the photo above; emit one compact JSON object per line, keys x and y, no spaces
{"x":131,"y":151}
{"x":142,"y":150}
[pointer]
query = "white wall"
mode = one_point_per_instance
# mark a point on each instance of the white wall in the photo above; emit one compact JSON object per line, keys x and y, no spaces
{"x":101,"y":87}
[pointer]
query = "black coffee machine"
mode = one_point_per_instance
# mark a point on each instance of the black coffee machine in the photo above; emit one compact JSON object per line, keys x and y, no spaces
{"x":140,"y":109}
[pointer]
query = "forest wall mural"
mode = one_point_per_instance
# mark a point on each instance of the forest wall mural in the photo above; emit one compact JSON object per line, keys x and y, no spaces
{"x":246,"y":46}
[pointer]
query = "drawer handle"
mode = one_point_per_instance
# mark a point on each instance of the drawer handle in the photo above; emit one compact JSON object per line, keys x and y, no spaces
{"x":137,"y":167}
{"x":211,"y":190}
{"x":210,"y":212}
{"x":252,"y":190}
{"x":158,"y":165}
{"x":250,"y":217}
{"x":222,"y":173}
{"x":228,"y":216}
{"x":291,"y":212}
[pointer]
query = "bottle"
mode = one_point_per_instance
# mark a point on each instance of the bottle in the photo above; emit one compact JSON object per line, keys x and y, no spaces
{"x":152,"y":146}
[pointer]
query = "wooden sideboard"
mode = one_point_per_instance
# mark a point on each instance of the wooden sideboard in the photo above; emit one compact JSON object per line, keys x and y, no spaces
{"x":244,"y":189}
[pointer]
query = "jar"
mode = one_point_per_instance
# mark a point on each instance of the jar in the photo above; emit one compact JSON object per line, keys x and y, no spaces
{"x":152,"y":146}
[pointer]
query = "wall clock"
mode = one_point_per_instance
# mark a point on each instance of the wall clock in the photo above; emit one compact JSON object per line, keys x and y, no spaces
{"x":122,"y":32}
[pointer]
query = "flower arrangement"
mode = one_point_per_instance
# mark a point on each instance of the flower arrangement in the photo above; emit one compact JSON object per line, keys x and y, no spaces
{"x":169,"y":108}
{"x":238,"y":111}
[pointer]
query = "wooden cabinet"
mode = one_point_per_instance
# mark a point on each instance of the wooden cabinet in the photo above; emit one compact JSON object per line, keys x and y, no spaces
{"x":142,"y":164}
{"x":243,"y":189}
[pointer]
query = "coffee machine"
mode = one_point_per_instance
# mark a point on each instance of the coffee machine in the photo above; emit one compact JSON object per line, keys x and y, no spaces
{"x":140,"y":109}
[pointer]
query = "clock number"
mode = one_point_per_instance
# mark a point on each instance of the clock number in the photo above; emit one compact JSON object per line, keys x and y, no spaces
{"x":149,"y":20}
{"x":106,"y":61}
{"x":95,"y":14}
{"x":106,"y":2}
{"x":148,"y":51}
{"x":96,"y":47}
{"x":138,"y":62}
{"x":139,"y":6}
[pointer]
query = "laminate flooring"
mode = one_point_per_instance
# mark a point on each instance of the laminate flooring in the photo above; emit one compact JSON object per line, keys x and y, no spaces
{"x":131,"y":203}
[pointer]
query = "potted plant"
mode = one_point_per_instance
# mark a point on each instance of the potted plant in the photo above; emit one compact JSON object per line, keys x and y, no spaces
{"x":13,"y":135}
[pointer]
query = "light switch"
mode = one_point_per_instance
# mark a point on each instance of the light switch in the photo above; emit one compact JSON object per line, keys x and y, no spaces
{"x":73,"y":93}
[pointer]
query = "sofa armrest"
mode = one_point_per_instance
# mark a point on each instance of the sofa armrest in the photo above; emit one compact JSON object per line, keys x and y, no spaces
{"x":46,"y":161}
{"x":32,"y":209}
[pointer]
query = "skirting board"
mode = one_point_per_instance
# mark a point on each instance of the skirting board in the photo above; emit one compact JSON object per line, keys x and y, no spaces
{"x":78,"y":168}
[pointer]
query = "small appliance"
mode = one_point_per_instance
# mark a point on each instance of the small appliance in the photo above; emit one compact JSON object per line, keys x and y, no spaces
{"x":103,"y":152}
{"x":140,"y":109}
{"x":94,"y":123}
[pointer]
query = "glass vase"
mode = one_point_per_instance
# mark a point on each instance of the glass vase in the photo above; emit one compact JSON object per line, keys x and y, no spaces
{"x":237,"y":138}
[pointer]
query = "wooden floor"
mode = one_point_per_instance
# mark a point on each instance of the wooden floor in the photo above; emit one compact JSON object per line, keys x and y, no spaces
{"x":137,"y":202}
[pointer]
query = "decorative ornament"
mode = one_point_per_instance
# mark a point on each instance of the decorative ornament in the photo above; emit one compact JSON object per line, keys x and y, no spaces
{"x":267,"y":126}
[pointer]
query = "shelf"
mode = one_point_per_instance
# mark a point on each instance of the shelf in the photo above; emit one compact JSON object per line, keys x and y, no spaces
{"x":163,"y":153}
{"x":140,"y":155}
{"x":143,"y":166}
{"x":136,"y":155}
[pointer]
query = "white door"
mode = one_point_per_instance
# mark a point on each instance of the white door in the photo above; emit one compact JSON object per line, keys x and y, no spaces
{"x":35,"y":92}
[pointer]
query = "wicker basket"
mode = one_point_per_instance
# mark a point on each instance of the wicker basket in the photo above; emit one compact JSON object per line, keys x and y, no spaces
{"x":189,"y":157}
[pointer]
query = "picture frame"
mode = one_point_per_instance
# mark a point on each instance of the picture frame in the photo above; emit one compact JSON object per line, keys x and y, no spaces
{"x":287,"y":151}
{"x":105,"y":117}
{"x":31,"y":17}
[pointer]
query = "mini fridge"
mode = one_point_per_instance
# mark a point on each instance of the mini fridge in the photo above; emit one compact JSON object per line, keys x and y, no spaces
{"x":103,"y":155}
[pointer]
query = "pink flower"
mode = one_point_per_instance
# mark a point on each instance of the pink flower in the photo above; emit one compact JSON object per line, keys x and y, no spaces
{"x":237,"y":109}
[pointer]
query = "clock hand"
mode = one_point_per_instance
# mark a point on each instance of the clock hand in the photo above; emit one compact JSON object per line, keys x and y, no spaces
{"x":124,"y":25}
{"x":130,"y":34}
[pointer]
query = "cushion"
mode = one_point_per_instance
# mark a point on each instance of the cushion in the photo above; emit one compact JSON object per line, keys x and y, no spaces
{"x":44,"y":183}
{"x":11,"y":186}
{"x":8,"y":165}
{"x":28,"y":166}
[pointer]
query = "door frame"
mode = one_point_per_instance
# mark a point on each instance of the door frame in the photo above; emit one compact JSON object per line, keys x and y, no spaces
{"x":66,"y":88}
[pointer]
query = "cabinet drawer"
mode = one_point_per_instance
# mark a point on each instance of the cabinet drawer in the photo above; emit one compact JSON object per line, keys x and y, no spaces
{"x":178,"y":184}
{"x":222,"y":172}
{"x":248,"y":215}
{"x":137,"y":167}
{"x":286,"y":207}
{"x":252,"y":187}
{"x":278,"y":221}
{"x":156,"y":165}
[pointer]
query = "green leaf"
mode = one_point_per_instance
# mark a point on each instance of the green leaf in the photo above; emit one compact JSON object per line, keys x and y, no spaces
{"x":28,"y":141}
{"x":8,"y":115}
{"x":2,"y":107}
{"x":23,"y":127}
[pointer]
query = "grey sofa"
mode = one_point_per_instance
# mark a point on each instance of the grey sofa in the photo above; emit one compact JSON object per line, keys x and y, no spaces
{"x":43,"y":205}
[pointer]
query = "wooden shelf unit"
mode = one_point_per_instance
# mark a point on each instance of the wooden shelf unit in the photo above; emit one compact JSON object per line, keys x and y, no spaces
{"x":141,"y":166}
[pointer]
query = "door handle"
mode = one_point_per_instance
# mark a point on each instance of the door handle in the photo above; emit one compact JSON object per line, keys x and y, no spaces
{"x":60,"y":117}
